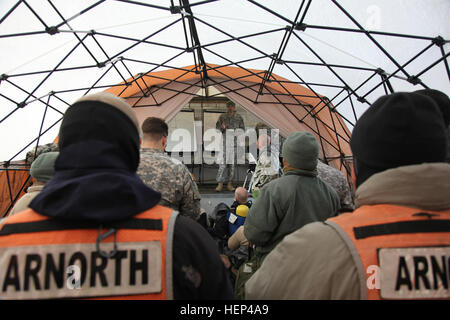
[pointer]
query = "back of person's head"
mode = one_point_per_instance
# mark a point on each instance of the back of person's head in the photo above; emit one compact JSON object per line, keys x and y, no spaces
{"x":263,"y":141}
{"x":241,"y":195}
{"x":301,"y":150}
{"x":262,"y":128}
{"x":43,"y":168}
{"x":155,"y":129}
{"x":399,"y":129}
{"x":98,"y":124}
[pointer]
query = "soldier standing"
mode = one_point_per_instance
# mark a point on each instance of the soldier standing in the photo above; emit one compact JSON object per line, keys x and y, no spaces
{"x":164,"y":174}
{"x":230,"y":120}
{"x":268,"y":165}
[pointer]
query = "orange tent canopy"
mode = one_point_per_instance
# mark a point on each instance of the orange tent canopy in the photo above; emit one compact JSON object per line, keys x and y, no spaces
{"x":281,"y":103}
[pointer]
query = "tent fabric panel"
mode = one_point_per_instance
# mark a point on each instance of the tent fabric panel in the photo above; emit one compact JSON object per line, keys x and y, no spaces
{"x":157,"y":78}
{"x":170,"y":98}
{"x":17,"y":180}
{"x":275,"y":115}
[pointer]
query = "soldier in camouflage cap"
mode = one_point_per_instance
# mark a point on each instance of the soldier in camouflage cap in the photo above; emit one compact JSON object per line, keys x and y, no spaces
{"x":230,"y":120}
{"x":167,"y":175}
{"x":37,"y":151}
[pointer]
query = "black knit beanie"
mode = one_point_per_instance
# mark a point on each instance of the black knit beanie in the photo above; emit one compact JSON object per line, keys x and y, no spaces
{"x":397,"y":130}
{"x":442,"y":101}
{"x":103,"y":117}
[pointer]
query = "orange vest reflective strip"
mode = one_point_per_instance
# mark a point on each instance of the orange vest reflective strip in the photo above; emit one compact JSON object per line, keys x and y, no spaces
{"x":369,"y":229}
{"x":151,"y":231}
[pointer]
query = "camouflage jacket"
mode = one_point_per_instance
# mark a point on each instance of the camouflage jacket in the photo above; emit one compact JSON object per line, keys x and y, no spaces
{"x":336,"y":179}
{"x":37,"y":151}
{"x":233,"y":121}
{"x":172,"y":179}
{"x":267,"y":168}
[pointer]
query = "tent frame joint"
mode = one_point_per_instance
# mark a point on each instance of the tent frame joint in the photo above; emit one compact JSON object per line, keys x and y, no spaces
{"x":361,"y":99}
{"x":381,"y":72}
{"x":414,"y":80}
{"x":301,"y":26}
{"x":439,"y":41}
{"x":52,"y":30}
{"x":175,"y":9}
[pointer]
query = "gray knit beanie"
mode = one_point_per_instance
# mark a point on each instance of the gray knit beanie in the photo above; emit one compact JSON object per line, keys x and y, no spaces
{"x":301,"y":150}
{"x":43,"y":167}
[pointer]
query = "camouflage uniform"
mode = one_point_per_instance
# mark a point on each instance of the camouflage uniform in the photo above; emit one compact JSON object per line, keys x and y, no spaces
{"x":267,"y":168}
{"x":336,"y":179}
{"x":233,"y":121}
{"x":37,"y":151}
{"x":172,"y":178}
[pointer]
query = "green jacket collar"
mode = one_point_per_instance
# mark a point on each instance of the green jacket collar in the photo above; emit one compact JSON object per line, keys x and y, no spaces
{"x":301,"y":172}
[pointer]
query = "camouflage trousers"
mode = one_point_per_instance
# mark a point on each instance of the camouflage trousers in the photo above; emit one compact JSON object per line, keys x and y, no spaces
{"x":225,"y":173}
{"x":227,"y":163}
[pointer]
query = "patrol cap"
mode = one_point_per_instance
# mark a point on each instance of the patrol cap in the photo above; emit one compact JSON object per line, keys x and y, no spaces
{"x":242,"y":210}
{"x":43,"y":168}
{"x":301,"y":150}
{"x":231,"y":104}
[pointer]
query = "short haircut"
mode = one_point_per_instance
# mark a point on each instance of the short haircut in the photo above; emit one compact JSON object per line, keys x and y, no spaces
{"x":241,"y":195}
{"x":263,"y":141}
{"x":155,"y":128}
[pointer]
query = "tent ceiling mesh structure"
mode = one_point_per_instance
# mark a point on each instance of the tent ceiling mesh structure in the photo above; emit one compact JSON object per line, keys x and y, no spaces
{"x":298,"y":65}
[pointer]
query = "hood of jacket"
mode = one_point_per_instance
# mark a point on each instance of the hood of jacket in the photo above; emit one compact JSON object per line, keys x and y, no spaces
{"x":425,"y":186}
{"x":91,"y":182}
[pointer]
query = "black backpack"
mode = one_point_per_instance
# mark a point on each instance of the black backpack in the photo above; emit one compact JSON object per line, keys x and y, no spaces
{"x":219,"y":222}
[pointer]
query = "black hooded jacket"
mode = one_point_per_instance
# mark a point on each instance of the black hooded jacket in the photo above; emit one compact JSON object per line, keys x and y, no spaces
{"x":95,"y":180}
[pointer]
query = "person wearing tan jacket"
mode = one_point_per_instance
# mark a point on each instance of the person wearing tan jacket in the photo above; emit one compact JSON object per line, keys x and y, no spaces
{"x":399,"y":146}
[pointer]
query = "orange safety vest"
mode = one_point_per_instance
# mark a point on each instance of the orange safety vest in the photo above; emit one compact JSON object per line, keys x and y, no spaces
{"x":42,"y":257}
{"x":399,"y":252}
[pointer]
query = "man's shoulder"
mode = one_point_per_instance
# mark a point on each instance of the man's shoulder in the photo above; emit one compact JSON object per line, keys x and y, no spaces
{"x":155,"y":159}
{"x":326,"y":171}
{"x":330,"y":188}
{"x":316,"y":240}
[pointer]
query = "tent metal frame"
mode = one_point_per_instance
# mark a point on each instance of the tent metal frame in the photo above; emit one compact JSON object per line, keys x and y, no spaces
{"x":190,"y":21}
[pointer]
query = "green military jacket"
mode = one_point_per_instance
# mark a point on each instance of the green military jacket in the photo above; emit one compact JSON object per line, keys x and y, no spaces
{"x":287,"y":204}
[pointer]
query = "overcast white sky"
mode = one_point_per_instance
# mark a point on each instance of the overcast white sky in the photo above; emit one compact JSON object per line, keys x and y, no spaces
{"x":43,"y":52}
